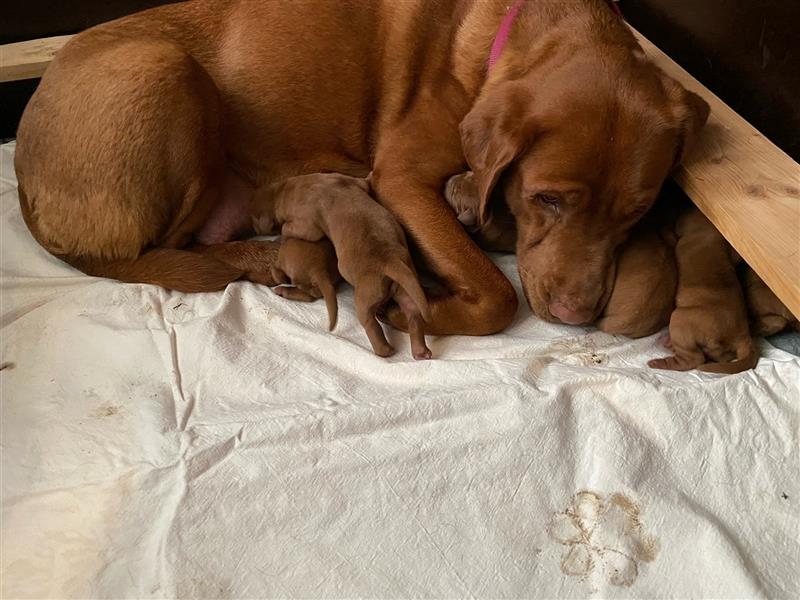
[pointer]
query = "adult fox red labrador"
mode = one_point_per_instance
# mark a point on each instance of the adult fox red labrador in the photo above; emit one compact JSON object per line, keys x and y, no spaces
{"x":138,"y":155}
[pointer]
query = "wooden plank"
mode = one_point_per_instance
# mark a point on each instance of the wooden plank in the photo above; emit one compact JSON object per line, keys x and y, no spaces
{"x":28,"y":60}
{"x":747,"y":186}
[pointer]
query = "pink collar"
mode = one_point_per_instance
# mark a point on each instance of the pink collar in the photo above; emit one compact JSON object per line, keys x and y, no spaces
{"x":502,"y":33}
{"x":505,"y":29}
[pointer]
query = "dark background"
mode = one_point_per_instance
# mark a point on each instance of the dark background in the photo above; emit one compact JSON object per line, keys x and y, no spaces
{"x":745,"y":51}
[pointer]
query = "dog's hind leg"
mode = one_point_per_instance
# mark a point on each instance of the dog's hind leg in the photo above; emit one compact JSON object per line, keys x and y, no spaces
{"x":253,"y":258}
{"x":118,"y":167}
{"x":170,"y":268}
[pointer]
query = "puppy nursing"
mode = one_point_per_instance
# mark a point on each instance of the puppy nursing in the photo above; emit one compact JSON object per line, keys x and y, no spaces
{"x":311,"y":269}
{"x":708,"y":329}
{"x":370,"y":247}
{"x":644,"y":287}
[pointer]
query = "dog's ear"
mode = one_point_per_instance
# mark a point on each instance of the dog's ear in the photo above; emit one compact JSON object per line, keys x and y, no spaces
{"x":691,"y":112}
{"x":493,"y":134}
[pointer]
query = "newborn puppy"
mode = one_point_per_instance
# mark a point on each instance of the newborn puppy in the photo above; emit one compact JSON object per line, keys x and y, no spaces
{"x":499,"y":233}
{"x":644,"y":286}
{"x":768,"y":315}
{"x":311,"y":268}
{"x":709,"y":327}
{"x":370,"y":246}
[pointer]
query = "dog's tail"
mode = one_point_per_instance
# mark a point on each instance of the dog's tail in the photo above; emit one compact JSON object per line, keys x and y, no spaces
{"x":178,"y":270}
{"x":407,"y":279}
{"x":746,"y":358}
{"x":328,"y":290}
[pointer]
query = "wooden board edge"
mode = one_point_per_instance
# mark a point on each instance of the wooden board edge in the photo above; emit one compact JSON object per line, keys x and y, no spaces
{"x":29,"y":59}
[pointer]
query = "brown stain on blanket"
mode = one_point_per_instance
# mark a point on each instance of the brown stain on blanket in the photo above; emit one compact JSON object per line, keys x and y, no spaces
{"x":106,"y":411}
{"x":604,"y":537}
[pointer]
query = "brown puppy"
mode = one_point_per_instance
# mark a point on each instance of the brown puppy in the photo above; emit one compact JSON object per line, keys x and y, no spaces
{"x":768,"y":315}
{"x":708,"y":329}
{"x":370,"y":246}
{"x":154,"y":130}
{"x":643,"y":294}
{"x":311,"y":269}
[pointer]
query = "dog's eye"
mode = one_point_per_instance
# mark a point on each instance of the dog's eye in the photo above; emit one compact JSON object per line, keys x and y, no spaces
{"x":548,"y":200}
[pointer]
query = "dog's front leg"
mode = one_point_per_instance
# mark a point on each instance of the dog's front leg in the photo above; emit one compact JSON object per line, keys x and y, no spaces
{"x":480,"y":299}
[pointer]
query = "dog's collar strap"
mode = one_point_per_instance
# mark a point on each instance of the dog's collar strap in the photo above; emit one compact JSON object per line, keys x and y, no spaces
{"x":508,"y":21}
{"x":502,"y":33}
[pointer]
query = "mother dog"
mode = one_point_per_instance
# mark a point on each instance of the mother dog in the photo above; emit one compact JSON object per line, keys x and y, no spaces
{"x":152,"y":132}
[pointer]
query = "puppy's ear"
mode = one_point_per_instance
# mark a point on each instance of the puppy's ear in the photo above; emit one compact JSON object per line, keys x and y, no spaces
{"x":692,"y":113}
{"x":493,"y":134}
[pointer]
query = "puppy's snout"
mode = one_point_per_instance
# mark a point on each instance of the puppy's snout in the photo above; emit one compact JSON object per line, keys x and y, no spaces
{"x":572,"y":310}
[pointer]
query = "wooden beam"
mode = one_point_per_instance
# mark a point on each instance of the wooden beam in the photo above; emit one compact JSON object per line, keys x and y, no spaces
{"x":747,"y":186}
{"x":28,"y":60}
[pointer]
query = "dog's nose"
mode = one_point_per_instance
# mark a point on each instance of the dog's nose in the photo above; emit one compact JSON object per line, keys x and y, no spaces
{"x":569,"y":314}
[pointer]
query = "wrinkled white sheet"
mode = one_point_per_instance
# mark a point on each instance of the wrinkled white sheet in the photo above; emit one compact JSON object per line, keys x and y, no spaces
{"x":158,"y":444}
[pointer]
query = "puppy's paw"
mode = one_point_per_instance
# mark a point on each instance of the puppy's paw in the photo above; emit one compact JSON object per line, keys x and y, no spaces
{"x":294,"y":293}
{"x":412,"y":323}
{"x":425,"y":354}
{"x":669,"y":363}
{"x":384,"y":350}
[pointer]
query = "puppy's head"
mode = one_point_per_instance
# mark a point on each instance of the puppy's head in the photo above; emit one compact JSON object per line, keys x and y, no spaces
{"x":581,"y":153}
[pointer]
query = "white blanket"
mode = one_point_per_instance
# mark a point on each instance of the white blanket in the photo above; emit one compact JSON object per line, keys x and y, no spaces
{"x":158,"y":444}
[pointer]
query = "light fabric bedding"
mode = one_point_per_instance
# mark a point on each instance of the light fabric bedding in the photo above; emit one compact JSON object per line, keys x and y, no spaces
{"x":158,"y":444}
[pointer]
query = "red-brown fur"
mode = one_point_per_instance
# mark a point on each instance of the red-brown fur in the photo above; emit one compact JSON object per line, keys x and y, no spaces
{"x":310,"y":268}
{"x":370,"y":246}
{"x":143,"y":126}
{"x":768,"y":315}
{"x":645,"y":277}
{"x":708,"y":329}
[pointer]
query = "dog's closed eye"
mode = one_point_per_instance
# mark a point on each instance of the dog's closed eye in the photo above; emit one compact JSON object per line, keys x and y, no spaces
{"x":547,"y":201}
